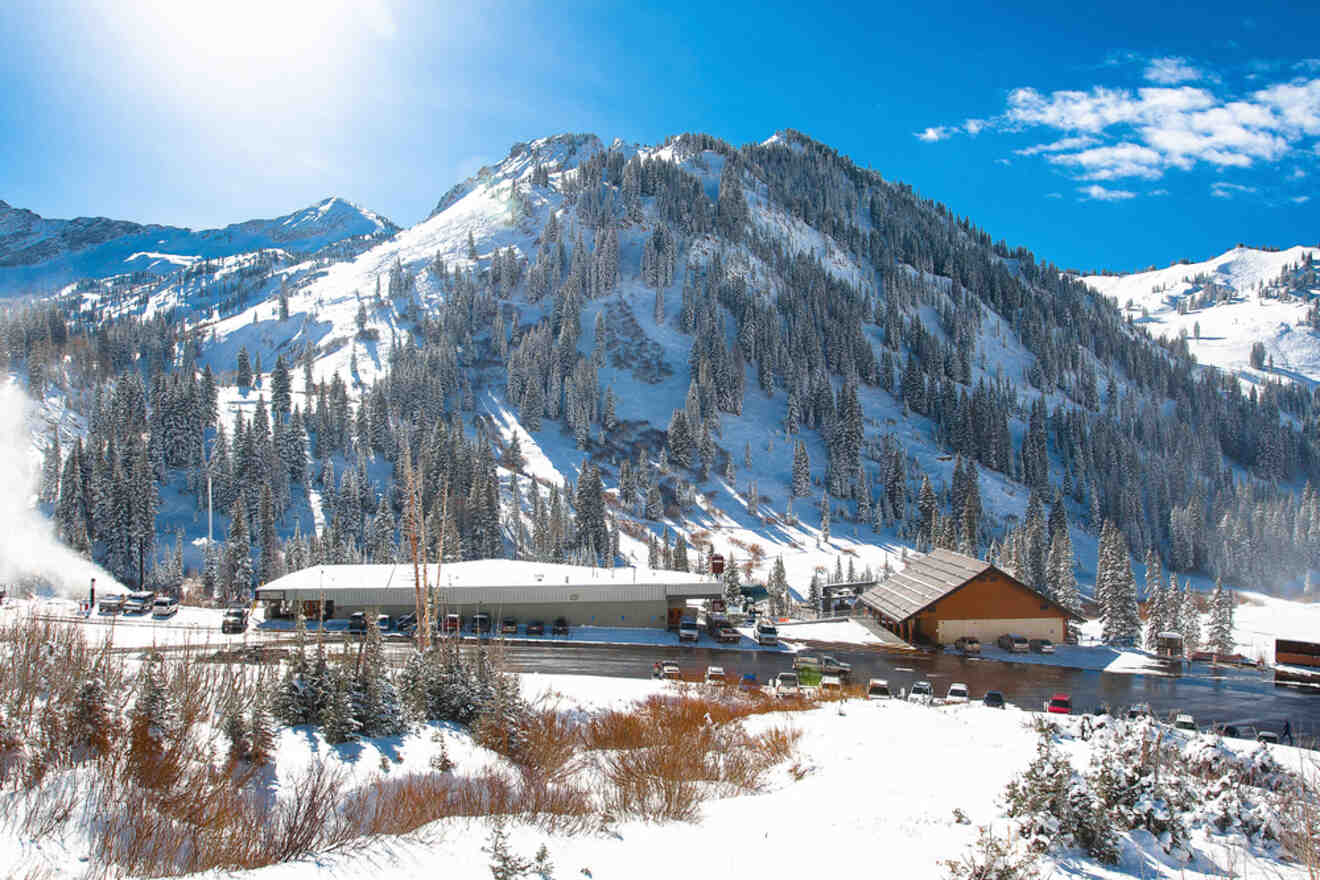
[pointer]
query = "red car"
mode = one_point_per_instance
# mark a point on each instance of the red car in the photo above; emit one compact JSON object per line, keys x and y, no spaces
{"x":1059,"y":704}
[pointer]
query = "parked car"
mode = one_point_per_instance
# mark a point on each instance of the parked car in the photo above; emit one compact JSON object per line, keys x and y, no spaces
{"x":111,"y":603}
{"x":139,"y":602}
{"x":787,"y":685}
{"x":1139,"y":710}
{"x":509,"y":625}
{"x":878,"y":689}
{"x":406,"y":621}
{"x":957,"y":693}
{"x":993,"y":699}
{"x":481,"y":623}
{"x":235,"y":620}
{"x":687,"y":628}
{"x":824,"y":665}
{"x":968,"y":645}
{"x":536,"y":628}
{"x":671,"y":672}
{"x":748,"y":683}
{"x":1267,"y":736}
{"x":766,"y":633}
{"x":1059,"y":704}
{"x":1185,"y":722}
{"x":831,"y":686}
{"x":1041,"y":646}
{"x":383,"y":622}
{"x":714,"y":675}
{"x":1013,"y":643}
{"x":357,"y":622}
{"x":452,"y":625}
{"x":922,"y":692}
{"x":719,"y":628}
{"x":559,"y":627}
{"x":165,"y":606}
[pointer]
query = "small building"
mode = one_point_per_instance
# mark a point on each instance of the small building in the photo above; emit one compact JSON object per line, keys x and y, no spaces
{"x":1169,"y":645}
{"x":584,"y":596}
{"x":942,"y":596}
{"x":1296,"y":662}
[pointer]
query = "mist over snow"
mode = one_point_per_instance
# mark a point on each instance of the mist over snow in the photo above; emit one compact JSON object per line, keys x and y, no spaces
{"x":30,"y":556}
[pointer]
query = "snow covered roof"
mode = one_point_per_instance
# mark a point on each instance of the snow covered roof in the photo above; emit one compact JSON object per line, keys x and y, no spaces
{"x":489,"y":580}
{"x":929,"y":578}
{"x":925,"y":579}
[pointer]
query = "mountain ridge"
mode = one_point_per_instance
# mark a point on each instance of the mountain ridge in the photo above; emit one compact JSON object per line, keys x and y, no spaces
{"x":39,"y":253}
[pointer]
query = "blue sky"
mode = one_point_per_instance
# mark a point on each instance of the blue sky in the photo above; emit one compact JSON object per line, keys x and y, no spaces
{"x":1097,"y":135}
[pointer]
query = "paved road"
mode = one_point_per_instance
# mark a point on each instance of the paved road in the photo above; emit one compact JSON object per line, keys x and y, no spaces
{"x":1210,"y":694}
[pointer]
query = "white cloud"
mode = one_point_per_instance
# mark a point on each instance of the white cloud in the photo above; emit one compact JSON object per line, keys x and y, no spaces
{"x":1099,"y":193}
{"x":1068,"y":143}
{"x":1172,"y":70}
{"x":935,"y":133}
{"x":1222,"y":190}
{"x":1300,"y":200}
{"x":1297,"y":103}
{"x":1297,"y":174}
{"x":1054,"y":195}
{"x":1112,"y":133}
{"x":1158,"y":192}
{"x":1120,"y":160}
{"x":1002,"y":161}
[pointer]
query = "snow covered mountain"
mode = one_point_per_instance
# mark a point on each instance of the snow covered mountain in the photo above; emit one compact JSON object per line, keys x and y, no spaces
{"x":38,"y":255}
{"x":766,"y":350}
{"x":1228,"y":304}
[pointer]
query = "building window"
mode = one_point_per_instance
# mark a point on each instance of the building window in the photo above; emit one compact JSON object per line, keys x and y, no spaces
{"x":1044,"y":606}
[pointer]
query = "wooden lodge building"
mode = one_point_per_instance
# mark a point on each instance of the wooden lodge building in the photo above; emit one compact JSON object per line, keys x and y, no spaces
{"x":942,"y":596}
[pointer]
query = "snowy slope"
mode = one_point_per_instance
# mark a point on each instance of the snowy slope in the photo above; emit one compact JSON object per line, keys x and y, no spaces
{"x":39,"y":254}
{"x":1239,"y":317}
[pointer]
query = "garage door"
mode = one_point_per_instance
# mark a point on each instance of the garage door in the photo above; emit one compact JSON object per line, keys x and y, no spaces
{"x":989,"y":630}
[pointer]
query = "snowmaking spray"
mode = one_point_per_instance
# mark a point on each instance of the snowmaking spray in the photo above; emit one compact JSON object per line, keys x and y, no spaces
{"x":31,"y":558}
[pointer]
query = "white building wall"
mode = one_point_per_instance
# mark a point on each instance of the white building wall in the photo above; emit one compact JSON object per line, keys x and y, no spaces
{"x":988,"y":631}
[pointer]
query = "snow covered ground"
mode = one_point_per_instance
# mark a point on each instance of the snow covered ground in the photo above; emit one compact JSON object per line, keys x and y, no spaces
{"x":874,"y":788}
{"x":1228,"y":328}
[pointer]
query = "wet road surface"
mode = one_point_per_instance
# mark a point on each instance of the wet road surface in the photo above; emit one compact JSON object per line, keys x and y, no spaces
{"x":1210,"y":694}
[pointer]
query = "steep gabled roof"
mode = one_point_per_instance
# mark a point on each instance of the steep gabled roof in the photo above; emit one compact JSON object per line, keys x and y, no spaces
{"x":929,"y":578}
{"x":924,"y":580}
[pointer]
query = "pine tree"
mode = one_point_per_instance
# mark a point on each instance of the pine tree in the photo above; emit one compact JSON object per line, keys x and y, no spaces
{"x":91,"y":725}
{"x":1157,"y":614}
{"x":1116,"y":589}
{"x":801,"y":471}
{"x":732,"y":581}
{"x":928,"y":506}
{"x":1036,"y":548}
{"x":272,"y":565}
{"x":825,"y":518}
{"x":244,"y":369}
{"x":777,"y":587}
{"x":1060,"y":574}
{"x":49,"y":490}
{"x":338,"y":723}
{"x":236,"y":566}
{"x":281,"y":389}
{"x":1221,"y":620}
{"x":1189,"y":619}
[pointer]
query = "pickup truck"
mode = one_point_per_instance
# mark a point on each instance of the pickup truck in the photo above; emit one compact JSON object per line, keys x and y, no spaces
{"x":139,"y":602}
{"x":687,"y":629}
{"x":111,"y":604}
{"x":719,"y":627}
{"x":235,"y":620}
{"x":823,"y":665}
{"x":766,"y":634}
{"x":787,"y":685}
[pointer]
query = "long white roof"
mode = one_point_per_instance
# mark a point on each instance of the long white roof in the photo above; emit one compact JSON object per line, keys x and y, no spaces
{"x":476,"y":573}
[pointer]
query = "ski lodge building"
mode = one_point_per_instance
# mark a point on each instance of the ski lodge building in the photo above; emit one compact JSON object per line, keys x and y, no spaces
{"x":942,"y":596}
{"x":627,"y":597}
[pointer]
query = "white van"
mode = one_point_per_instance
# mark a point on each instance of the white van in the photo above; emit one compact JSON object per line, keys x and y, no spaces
{"x":165,"y":606}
